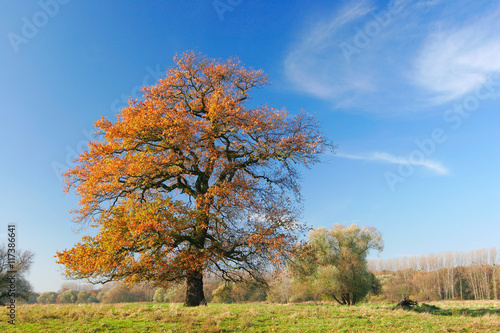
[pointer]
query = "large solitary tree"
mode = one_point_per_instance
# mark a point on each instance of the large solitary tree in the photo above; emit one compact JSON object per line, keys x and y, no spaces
{"x":190,"y":180}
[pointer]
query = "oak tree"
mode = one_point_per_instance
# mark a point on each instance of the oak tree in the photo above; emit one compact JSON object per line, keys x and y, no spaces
{"x":191,"y":180}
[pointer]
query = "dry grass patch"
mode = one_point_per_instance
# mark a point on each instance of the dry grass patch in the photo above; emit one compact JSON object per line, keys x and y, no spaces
{"x":480,"y":316}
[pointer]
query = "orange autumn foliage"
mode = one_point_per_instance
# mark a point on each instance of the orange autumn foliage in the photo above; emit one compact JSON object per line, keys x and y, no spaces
{"x":190,"y":180}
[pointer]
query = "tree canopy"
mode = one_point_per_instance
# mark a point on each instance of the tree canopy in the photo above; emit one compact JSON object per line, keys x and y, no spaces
{"x":333,"y":262}
{"x":23,"y":261}
{"x":190,"y":180}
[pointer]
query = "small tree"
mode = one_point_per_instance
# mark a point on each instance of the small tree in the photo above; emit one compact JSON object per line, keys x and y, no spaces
{"x":333,"y":262}
{"x":159,"y":295}
{"x":118,"y":294}
{"x":84,"y":297}
{"x":222,"y":294}
{"x":68,"y":297}
{"x":125,"y":294}
{"x":280,"y":287}
{"x":175,"y":293}
{"x":99,"y":296}
{"x":21,"y":265}
{"x":47,"y":298}
{"x":32,"y":298}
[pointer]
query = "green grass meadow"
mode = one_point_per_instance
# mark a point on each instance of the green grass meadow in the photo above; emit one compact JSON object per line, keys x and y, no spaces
{"x":446,"y":316}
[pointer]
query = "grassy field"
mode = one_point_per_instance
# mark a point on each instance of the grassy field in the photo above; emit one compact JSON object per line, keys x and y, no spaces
{"x":465,"y":316}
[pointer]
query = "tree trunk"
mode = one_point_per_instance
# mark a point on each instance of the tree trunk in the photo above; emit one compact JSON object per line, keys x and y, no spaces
{"x":337,"y":300}
{"x":495,"y":296}
{"x":194,"y":292}
{"x":452,"y":283}
{"x":461,"y":289}
{"x":346,"y":298}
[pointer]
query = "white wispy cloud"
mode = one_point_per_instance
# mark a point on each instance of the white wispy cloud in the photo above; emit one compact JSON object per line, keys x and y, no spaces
{"x":455,"y":61}
{"x":431,"y":165}
{"x":424,"y":54}
{"x":306,"y":62}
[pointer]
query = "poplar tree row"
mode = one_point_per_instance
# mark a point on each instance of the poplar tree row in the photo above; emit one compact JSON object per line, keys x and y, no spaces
{"x":469,"y":275}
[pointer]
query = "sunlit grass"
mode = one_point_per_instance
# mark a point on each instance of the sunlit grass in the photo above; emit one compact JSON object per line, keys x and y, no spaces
{"x":450,"y":316}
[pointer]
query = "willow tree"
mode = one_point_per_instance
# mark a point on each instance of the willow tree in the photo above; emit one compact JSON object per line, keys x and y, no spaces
{"x":333,"y":263}
{"x":191,"y":181}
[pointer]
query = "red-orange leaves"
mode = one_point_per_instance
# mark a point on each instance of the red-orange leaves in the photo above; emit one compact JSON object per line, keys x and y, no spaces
{"x":190,"y":179}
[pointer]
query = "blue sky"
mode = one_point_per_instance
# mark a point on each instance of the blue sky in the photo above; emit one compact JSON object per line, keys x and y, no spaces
{"x":408,"y":90}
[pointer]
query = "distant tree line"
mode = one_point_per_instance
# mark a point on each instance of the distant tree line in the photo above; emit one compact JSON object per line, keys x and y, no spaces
{"x":331,"y":265}
{"x":470,"y":275}
{"x":72,"y":293}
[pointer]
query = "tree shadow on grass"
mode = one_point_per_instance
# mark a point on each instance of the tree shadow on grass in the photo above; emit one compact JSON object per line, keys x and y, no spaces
{"x":434,"y":310}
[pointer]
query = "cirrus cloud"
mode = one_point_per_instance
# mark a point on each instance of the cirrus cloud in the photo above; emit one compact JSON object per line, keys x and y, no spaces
{"x":383,"y":157}
{"x":365,"y":57}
